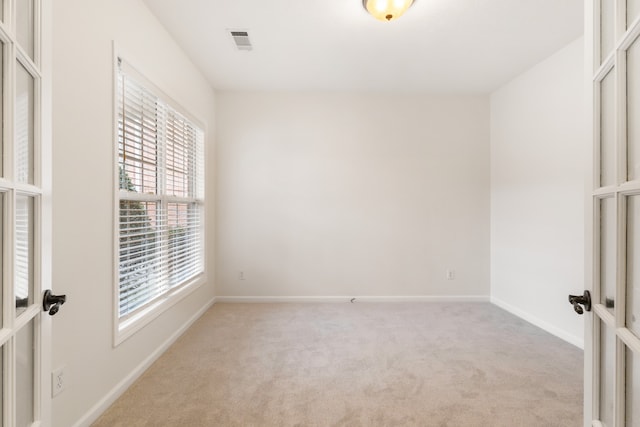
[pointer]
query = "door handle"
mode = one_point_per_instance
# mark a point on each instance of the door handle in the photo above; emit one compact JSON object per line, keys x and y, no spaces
{"x":584,"y":299}
{"x":52,"y":303}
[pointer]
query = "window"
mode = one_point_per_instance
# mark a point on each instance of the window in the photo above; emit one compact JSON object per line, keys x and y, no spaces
{"x":160,"y":213}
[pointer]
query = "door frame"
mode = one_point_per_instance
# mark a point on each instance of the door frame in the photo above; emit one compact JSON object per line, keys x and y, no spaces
{"x":589,"y":60}
{"x":45,"y":36}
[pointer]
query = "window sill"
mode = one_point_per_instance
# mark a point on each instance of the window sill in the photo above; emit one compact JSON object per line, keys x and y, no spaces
{"x":127,"y":328}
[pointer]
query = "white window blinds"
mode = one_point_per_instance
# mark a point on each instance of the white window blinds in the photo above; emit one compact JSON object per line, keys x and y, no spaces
{"x":161,"y":195}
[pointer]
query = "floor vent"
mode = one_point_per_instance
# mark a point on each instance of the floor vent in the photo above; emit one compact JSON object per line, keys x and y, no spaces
{"x":241,"y":39}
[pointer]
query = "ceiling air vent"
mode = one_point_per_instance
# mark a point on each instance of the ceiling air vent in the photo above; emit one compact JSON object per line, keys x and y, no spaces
{"x":241,"y":39}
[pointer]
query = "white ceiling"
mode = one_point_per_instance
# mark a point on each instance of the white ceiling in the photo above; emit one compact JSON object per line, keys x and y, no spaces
{"x":444,"y":46}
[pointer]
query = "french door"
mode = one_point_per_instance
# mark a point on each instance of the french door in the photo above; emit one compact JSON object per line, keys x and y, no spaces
{"x":612,"y":337}
{"x":25,"y":213}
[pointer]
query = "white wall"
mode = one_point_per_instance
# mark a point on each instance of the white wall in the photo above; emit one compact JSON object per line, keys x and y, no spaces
{"x":83,"y":188}
{"x":319,"y":194}
{"x":538,"y":152}
{"x":352,"y":195}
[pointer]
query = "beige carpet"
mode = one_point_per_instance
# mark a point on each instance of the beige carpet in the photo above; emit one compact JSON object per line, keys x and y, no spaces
{"x":360,"y":364}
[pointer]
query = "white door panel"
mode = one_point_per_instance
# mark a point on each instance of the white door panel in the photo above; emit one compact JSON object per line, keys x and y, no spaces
{"x":612,"y":330}
{"x":25,"y":212}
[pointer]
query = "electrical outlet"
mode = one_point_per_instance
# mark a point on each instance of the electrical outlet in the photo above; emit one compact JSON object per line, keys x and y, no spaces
{"x":241,"y":275}
{"x":58,"y":381}
{"x":451,"y":274}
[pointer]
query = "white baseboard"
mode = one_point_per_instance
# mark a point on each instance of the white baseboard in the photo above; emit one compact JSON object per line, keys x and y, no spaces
{"x":94,"y":413}
{"x":554,"y":330}
{"x":416,"y":298}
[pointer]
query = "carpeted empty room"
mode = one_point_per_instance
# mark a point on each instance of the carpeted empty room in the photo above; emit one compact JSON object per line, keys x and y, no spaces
{"x":358,"y":364}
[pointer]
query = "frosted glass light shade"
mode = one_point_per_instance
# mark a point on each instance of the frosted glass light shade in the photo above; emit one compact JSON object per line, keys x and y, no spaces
{"x":387,"y":10}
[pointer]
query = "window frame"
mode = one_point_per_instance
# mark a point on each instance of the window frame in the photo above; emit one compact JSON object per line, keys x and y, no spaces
{"x":126,"y":326}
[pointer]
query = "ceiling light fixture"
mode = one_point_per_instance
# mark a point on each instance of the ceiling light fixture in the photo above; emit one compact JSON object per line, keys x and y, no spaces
{"x":387,"y":10}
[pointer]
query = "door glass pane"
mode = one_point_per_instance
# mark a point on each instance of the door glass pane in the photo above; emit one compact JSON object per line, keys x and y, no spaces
{"x":24,"y":25}
{"x":607,"y":352}
{"x":2,"y":213}
{"x":607,"y":130}
{"x":2,"y":381}
{"x":24,"y":125}
{"x":632,"y":386}
{"x":633,"y":11}
{"x":607,"y":34}
{"x":24,"y":375}
{"x":607,"y":252}
{"x":1,"y":97}
{"x":24,"y":253}
{"x":633,"y":111}
{"x":633,"y":264}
